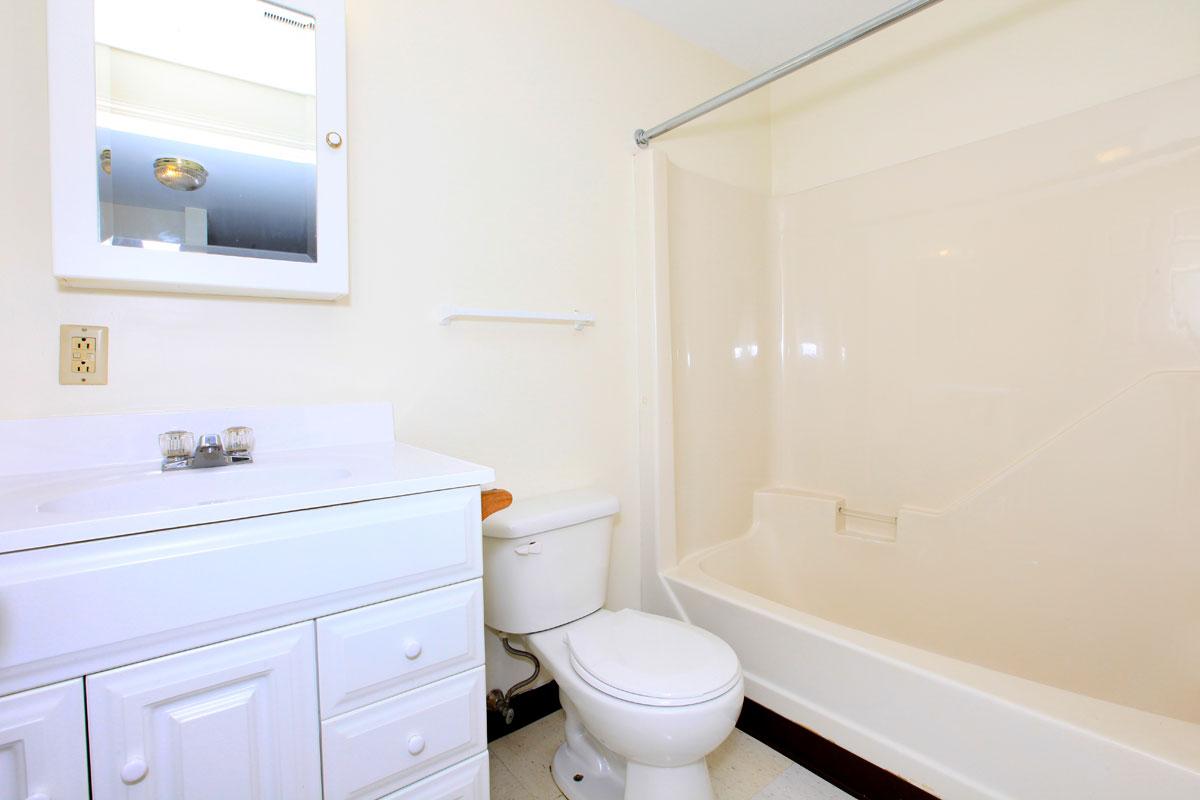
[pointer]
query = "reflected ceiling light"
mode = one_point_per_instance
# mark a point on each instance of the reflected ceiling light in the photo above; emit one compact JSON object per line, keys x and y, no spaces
{"x":180,"y":174}
{"x":106,"y":161}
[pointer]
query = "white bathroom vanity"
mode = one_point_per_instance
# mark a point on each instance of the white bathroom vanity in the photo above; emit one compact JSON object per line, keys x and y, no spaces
{"x":307,"y":625}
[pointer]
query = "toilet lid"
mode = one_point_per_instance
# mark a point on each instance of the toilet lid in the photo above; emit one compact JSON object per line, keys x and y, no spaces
{"x":651,"y":660}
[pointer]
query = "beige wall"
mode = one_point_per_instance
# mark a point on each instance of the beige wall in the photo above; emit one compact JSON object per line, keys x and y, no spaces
{"x":490,"y":165}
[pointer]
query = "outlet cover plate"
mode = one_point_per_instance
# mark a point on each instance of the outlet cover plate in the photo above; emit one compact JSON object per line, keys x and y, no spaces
{"x":82,"y":355}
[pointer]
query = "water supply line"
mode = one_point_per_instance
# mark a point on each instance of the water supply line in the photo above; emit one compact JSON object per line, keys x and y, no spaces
{"x":501,"y":702}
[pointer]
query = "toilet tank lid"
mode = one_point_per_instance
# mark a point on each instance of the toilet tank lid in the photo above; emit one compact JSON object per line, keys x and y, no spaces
{"x":533,"y":515}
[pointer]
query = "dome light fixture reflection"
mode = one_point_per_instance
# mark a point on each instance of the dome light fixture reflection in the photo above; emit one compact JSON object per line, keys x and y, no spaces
{"x":180,"y":174}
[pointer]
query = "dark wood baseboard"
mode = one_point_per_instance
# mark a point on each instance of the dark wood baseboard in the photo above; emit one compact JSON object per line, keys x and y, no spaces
{"x":529,"y":706}
{"x":850,"y":773}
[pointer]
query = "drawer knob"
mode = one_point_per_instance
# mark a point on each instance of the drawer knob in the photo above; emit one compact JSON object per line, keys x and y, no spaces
{"x":133,"y":771}
{"x":412,"y":649}
{"x":416,"y":744}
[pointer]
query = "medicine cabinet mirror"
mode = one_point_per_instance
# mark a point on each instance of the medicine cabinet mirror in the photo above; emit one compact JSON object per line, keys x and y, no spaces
{"x":199,"y":145}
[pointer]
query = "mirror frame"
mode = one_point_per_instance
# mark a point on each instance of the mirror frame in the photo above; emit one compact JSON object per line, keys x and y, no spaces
{"x":80,"y":259}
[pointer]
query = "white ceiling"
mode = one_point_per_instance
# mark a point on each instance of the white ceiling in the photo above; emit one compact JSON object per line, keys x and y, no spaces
{"x":758,"y":34}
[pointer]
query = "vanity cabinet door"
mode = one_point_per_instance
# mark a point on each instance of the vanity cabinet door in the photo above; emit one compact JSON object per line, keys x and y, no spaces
{"x":232,"y":720}
{"x":43,"y":753}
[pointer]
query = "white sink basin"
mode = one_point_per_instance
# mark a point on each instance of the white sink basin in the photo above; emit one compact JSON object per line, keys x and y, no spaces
{"x":156,"y":491}
{"x":86,"y":502}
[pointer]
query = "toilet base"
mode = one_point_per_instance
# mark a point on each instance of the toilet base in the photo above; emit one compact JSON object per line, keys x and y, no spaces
{"x":601,"y":772}
{"x":594,"y":784}
{"x":584,"y":769}
{"x":642,"y":782}
{"x":653,"y":783}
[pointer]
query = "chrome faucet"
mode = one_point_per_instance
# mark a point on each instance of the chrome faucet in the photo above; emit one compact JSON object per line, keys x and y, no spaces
{"x":180,"y":451}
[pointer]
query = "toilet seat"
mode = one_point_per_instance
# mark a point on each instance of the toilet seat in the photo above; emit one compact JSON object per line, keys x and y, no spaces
{"x":651,"y":660}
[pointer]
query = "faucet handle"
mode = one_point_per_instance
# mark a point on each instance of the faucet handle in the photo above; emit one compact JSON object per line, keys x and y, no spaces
{"x":176,"y":444}
{"x":210,"y":441}
{"x":239,"y":440}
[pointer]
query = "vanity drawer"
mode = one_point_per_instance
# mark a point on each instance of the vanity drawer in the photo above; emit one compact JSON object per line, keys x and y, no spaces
{"x":465,"y":781}
{"x":389,"y":744}
{"x":371,"y":653}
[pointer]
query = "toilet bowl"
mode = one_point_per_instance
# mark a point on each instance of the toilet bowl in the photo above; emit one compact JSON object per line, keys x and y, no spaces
{"x":652,"y":718}
{"x":646,"y":698}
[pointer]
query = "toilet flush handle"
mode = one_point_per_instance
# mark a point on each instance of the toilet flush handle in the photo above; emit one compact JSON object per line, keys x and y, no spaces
{"x":530,"y":549}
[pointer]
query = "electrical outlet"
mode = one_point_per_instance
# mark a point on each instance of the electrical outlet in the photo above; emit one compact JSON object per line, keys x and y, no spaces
{"x":83,"y":355}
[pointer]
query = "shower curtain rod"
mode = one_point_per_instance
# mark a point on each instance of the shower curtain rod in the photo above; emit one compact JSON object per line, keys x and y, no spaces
{"x":644,"y":137}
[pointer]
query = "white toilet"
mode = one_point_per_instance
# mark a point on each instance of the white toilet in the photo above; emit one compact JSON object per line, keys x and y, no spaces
{"x":646,"y":697}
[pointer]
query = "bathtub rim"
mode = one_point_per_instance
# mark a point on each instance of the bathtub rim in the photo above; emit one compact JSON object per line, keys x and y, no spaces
{"x":1171,"y":742}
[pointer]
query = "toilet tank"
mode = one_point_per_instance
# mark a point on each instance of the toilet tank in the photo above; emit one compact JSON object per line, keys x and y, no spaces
{"x":545,"y":560}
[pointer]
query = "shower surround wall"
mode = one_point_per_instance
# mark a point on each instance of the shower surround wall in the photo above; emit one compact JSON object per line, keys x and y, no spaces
{"x":721,"y":325}
{"x":991,"y":350}
{"x":907,"y":350}
{"x":999,"y":348}
{"x":961,"y":366}
{"x":967,"y":390}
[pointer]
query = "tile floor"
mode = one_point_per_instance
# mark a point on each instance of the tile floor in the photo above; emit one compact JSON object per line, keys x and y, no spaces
{"x":742,"y":768}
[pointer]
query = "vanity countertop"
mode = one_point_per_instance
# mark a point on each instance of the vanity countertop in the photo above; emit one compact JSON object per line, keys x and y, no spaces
{"x":70,"y":495}
{"x":100,"y":502}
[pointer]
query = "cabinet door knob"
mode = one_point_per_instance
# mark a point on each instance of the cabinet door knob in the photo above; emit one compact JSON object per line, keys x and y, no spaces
{"x":416,"y":744}
{"x":134,"y":770}
{"x":412,"y":649}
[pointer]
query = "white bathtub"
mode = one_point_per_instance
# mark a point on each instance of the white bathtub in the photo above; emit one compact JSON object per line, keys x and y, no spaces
{"x":955,"y":728}
{"x":1035,"y":631}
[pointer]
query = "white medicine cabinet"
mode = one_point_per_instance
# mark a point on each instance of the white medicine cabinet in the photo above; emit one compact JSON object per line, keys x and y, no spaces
{"x":199,"y":146}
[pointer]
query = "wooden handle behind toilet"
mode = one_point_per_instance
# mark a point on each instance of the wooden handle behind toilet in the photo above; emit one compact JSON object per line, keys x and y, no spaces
{"x":494,"y":500}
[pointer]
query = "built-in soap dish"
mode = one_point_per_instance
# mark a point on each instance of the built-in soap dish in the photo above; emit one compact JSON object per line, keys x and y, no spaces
{"x":865,"y":525}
